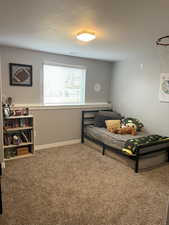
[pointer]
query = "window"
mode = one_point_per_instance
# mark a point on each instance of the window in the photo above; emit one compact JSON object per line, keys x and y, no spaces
{"x":63,"y":85}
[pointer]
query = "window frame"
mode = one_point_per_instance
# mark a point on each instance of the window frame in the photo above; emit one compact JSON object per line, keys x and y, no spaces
{"x":68,"y":66}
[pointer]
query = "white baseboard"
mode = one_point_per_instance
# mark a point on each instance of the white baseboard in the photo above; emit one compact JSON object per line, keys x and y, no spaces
{"x":57,"y":144}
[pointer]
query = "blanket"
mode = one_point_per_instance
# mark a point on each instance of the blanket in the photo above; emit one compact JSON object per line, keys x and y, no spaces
{"x":132,"y":145}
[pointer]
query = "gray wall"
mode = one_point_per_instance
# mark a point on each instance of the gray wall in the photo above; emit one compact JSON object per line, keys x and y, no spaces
{"x":54,"y":125}
{"x":135,"y":90}
{"x":57,"y":125}
{"x":97,"y":72}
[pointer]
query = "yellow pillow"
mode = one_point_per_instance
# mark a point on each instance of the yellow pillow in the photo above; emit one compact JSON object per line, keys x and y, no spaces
{"x":112,"y":124}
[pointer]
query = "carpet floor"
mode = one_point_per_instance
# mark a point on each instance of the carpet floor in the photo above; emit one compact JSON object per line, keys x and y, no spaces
{"x":75,"y":185}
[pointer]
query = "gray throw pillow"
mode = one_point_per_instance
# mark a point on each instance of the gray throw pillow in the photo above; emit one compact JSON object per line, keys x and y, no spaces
{"x":101,"y":116}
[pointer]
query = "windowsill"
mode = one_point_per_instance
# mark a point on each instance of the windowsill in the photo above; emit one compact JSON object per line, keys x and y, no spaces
{"x":57,"y":107}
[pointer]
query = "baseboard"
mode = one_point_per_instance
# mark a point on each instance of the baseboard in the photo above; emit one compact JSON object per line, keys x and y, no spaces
{"x":57,"y":144}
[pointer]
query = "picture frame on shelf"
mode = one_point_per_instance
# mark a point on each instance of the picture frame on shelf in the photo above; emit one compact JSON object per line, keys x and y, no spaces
{"x":20,"y":74}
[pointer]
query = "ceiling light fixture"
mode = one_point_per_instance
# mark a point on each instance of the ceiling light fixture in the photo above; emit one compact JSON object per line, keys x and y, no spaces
{"x":86,"y":36}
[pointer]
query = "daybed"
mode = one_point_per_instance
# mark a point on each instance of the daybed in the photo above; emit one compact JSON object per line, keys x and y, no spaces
{"x":115,"y":142}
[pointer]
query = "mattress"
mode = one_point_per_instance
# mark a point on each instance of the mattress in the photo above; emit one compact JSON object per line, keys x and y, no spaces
{"x":117,"y":141}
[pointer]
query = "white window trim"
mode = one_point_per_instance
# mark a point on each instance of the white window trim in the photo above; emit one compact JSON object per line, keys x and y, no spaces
{"x":90,"y":105}
{"x":52,"y":63}
{"x":64,"y":65}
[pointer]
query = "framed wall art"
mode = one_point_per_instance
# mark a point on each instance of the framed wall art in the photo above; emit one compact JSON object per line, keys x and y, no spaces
{"x":20,"y":74}
{"x":164,"y":87}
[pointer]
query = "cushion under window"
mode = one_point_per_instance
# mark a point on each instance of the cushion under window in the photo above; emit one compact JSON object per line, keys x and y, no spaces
{"x":101,"y":116}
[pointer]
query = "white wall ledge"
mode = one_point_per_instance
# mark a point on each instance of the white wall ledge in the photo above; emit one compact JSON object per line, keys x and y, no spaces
{"x":59,"y":107}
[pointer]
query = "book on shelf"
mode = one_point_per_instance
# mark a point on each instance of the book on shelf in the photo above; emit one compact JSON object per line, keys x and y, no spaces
{"x":24,"y":122}
{"x":15,"y":123}
{"x":7,"y":139}
{"x":9,"y":153}
{"x":17,"y":138}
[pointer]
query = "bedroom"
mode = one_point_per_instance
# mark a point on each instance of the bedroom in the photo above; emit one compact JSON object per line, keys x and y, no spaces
{"x":123,"y":66}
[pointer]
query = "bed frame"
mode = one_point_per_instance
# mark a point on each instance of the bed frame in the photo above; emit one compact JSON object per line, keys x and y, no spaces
{"x":136,"y":157}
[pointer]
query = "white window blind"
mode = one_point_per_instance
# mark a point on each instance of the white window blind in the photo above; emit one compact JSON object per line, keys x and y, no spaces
{"x":63,"y":85}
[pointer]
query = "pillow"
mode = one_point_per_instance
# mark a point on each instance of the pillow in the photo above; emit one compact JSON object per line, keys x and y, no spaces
{"x":112,"y":124}
{"x":101,"y":116}
{"x":132,"y":122}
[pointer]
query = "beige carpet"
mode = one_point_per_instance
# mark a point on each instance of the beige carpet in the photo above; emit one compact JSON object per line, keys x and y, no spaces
{"x":75,"y":185}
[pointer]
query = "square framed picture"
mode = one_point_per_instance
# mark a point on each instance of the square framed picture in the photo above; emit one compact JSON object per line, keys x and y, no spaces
{"x":20,"y":74}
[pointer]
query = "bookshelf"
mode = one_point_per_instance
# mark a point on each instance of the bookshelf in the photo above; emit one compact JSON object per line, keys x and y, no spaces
{"x":18,"y":137}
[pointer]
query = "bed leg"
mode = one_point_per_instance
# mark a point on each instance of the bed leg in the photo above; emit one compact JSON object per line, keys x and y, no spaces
{"x":82,"y":128}
{"x":103,"y":149}
{"x":137,"y":162}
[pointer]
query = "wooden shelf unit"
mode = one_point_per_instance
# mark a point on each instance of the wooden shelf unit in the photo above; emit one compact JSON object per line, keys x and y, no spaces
{"x":21,"y":126}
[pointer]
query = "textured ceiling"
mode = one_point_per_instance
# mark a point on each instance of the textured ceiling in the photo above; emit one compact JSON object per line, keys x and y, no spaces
{"x":122,"y":27}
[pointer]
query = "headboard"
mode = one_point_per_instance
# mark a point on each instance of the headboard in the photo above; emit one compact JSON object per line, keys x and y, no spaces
{"x":88,"y":119}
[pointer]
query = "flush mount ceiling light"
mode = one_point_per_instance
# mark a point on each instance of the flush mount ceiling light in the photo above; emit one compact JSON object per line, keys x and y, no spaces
{"x":86,"y":36}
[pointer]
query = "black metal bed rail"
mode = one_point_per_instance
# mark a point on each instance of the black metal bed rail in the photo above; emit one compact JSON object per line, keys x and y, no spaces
{"x":94,"y":140}
{"x":105,"y":146}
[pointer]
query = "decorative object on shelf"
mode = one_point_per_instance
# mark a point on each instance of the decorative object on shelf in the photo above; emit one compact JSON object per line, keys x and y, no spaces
{"x":25,"y":111}
{"x":22,"y":151}
{"x":7,"y":103}
{"x":16,"y":140}
{"x":6,"y":110}
{"x":19,"y":112}
{"x":20,"y":74}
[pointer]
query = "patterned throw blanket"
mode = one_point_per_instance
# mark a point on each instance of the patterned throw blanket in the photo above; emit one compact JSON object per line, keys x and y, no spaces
{"x":132,"y":144}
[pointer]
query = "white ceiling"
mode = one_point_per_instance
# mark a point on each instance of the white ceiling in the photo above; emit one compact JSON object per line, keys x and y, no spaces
{"x":122,"y":26}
